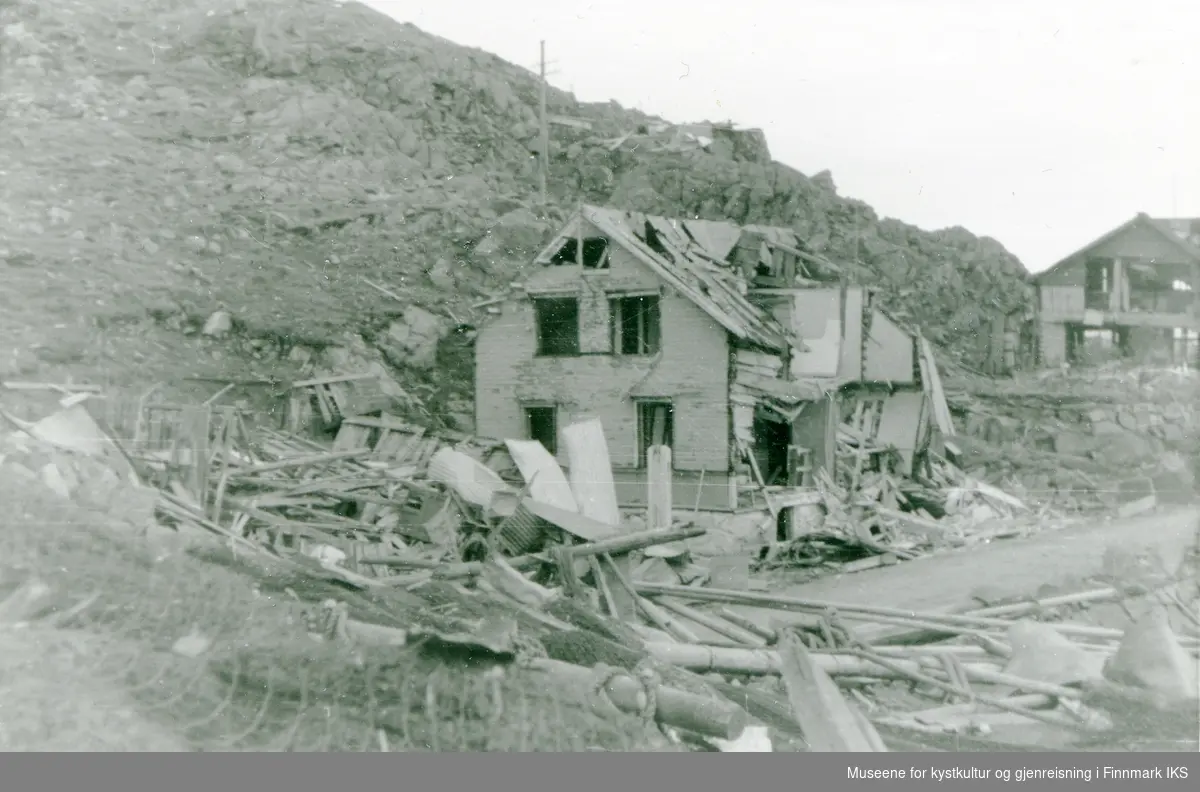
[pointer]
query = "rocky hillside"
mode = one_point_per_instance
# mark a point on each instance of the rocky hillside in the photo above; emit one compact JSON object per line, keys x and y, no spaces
{"x":283,"y":159}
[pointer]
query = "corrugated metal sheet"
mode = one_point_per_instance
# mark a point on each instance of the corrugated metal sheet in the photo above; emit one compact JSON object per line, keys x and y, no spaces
{"x":523,"y":532}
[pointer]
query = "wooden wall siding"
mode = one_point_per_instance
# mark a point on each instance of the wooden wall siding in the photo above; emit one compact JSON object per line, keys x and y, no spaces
{"x":692,"y":369}
{"x":1053,"y":343}
{"x":1059,"y":303}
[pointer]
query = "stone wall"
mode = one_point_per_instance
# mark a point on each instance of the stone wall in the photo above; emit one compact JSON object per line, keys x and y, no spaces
{"x":1128,"y":431}
{"x":1111,"y":435}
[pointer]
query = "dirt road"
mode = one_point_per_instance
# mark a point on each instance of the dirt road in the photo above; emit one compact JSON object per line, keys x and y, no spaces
{"x":1006,"y":567}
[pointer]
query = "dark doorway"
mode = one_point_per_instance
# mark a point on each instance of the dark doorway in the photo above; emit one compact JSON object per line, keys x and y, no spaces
{"x":771,"y":441}
{"x":656,"y":426}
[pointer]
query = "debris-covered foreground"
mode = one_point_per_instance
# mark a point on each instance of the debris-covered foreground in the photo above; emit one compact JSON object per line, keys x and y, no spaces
{"x":440,"y":554}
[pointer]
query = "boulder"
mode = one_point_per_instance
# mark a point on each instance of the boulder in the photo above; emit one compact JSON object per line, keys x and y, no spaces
{"x":1150,"y":657}
{"x":414,"y":338}
{"x":1042,"y":653}
{"x":517,"y":235}
{"x":218,"y":324}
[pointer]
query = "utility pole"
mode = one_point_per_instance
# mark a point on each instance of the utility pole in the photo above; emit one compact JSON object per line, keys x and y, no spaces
{"x":544,"y":165}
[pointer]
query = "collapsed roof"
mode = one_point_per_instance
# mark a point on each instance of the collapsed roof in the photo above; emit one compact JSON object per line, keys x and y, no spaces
{"x":714,"y":264}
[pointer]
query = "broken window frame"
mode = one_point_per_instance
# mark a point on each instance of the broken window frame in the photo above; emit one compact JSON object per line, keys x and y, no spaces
{"x":588,"y":252}
{"x":528,"y":409}
{"x":567,"y":348}
{"x":648,"y":324}
{"x":645,"y":430}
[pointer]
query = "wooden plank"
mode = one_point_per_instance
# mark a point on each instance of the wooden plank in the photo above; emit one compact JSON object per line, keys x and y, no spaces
{"x":637,"y":541}
{"x":309,"y":383}
{"x":933,"y":382}
{"x":338,"y":396}
{"x":303,"y":461}
{"x":828,"y":721}
{"x":198,"y":423}
{"x":323,"y":404}
{"x":384,"y":421}
{"x":350,"y":437}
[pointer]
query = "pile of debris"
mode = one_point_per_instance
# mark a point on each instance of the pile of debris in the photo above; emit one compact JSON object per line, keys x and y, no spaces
{"x":391,"y":507}
{"x":389,"y":500}
{"x":880,"y":505}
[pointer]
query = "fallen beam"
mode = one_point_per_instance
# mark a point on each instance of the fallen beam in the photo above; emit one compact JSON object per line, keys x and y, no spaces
{"x":762,"y":662}
{"x":714,"y":623}
{"x":952,"y":622}
{"x":619,"y":545}
{"x":302,"y":461}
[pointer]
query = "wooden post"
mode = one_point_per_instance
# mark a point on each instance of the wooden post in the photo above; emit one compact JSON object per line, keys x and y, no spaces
{"x":544,"y":137}
{"x":658,"y":488}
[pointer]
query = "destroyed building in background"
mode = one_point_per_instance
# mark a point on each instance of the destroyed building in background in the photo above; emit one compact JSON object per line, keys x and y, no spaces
{"x":1131,"y":293}
{"x":735,"y":346}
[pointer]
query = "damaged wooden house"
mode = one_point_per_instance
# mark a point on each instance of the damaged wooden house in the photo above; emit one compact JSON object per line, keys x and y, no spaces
{"x":735,"y":346}
{"x":1132,"y":293}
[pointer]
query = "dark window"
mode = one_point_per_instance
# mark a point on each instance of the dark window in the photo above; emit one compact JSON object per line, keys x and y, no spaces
{"x":594,"y":254}
{"x":636,"y":325}
{"x":557,"y":325}
{"x":1098,"y":284}
{"x":656,"y":426}
{"x":541,"y":424}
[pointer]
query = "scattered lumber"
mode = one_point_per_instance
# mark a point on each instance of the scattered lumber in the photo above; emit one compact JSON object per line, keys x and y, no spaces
{"x":392,"y":507}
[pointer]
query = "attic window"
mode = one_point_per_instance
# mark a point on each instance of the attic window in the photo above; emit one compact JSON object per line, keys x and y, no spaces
{"x":594,"y":253}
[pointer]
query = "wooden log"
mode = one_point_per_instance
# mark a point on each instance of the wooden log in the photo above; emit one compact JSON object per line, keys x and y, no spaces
{"x":951,"y":622}
{"x":619,"y":545}
{"x":711,"y":717}
{"x":960,"y":690}
{"x":761,"y":662}
{"x":767,"y":634}
{"x":1031,"y":606}
{"x":717,"y":625}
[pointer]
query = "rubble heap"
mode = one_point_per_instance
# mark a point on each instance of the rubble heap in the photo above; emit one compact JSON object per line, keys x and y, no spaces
{"x":534,"y":567}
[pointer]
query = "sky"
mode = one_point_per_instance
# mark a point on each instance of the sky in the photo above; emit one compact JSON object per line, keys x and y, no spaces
{"x":1042,"y":123}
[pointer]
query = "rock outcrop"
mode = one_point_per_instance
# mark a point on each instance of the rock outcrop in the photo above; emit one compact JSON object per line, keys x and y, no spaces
{"x":269,"y":159}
